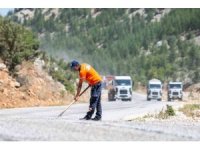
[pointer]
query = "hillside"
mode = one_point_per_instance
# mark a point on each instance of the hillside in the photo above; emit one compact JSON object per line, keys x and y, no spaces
{"x":150,"y":43}
{"x":30,"y":88}
{"x":28,"y":77}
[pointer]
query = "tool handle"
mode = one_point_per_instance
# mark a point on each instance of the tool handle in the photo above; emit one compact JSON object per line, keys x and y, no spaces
{"x":84,"y":90}
{"x":66,"y":108}
{"x":72,"y":102}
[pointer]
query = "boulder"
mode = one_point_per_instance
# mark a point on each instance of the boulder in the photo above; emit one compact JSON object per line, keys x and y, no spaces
{"x":2,"y":66}
{"x":18,"y":68}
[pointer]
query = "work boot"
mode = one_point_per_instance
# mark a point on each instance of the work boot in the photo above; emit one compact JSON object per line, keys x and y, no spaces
{"x":85,"y":118}
{"x":96,"y":118}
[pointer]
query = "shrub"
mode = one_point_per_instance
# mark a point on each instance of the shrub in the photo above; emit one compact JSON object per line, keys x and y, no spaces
{"x":170,"y":111}
{"x":60,"y":76}
{"x":16,"y":43}
{"x":167,"y":113}
{"x":189,"y":109}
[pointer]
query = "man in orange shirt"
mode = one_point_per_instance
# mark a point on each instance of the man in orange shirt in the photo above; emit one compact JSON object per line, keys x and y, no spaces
{"x":88,"y":74}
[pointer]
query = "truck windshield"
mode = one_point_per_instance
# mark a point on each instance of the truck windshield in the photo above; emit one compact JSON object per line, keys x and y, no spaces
{"x":123,"y":82}
{"x":155,"y":86}
{"x":175,"y":86}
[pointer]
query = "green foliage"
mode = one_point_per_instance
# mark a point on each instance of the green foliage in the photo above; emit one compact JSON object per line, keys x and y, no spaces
{"x":167,"y":113}
{"x":163,"y":114}
{"x":170,"y":111}
{"x":16,"y":43}
{"x":61,"y":77}
{"x":59,"y":70}
{"x":117,"y":42}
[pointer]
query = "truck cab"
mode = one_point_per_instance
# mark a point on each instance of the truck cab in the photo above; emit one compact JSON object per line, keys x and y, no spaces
{"x":175,"y":91}
{"x":121,"y":89}
{"x":154,"y":90}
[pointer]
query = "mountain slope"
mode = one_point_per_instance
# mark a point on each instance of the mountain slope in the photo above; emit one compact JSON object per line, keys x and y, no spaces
{"x":143,"y":43}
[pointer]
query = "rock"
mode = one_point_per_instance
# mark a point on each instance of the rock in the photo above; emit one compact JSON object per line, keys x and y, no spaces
{"x":159,"y":43}
{"x":39,"y":63}
{"x":23,"y":80}
{"x":17,"y":84}
{"x":18,"y":68}
{"x":2,"y":66}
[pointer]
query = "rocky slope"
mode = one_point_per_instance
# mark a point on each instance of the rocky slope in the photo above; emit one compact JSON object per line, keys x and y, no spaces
{"x":31,"y":87}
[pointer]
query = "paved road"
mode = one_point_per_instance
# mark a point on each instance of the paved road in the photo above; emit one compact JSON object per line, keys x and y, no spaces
{"x":41,"y":123}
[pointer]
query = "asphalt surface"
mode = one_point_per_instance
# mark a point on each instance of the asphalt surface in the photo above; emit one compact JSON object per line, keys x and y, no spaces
{"x":42,"y":123}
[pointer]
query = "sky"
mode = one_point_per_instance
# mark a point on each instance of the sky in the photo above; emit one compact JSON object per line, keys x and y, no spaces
{"x":4,"y":11}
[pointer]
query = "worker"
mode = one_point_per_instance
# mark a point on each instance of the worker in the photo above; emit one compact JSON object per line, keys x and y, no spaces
{"x":88,"y":74}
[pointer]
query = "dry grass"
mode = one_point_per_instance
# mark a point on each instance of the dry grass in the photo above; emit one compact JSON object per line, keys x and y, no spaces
{"x":163,"y":114}
{"x":191,"y":110}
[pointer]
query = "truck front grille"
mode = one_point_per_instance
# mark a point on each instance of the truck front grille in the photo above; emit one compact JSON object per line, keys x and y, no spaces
{"x":123,"y":91}
{"x":175,"y":93}
{"x":154,"y":93}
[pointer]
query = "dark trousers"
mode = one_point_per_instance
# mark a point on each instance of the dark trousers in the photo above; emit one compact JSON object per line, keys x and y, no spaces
{"x":95,"y":100}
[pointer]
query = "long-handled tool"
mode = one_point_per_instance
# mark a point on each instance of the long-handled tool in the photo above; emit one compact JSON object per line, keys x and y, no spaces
{"x":72,"y":103}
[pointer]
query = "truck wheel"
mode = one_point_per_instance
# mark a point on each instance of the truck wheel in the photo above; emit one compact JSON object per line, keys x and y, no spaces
{"x":169,"y":99}
{"x":148,"y":99}
{"x":159,"y":99}
{"x":110,"y":99}
{"x":124,"y":99}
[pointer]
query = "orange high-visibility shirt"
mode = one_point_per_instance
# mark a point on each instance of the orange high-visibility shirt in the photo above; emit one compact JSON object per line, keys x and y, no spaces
{"x":88,"y":73}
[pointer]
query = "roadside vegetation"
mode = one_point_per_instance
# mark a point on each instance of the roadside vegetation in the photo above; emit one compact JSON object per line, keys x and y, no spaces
{"x":191,"y":110}
{"x":165,"y":113}
{"x":60,"y":71}
{"x":18,"y":44}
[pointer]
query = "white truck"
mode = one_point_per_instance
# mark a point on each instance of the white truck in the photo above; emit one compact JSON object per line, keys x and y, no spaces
{"x":154,"y":90}
{"x":121,"y":88}
{"x":175,"y":91}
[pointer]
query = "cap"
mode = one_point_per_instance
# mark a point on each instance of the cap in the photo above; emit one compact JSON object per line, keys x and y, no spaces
{"x":73,"y":64}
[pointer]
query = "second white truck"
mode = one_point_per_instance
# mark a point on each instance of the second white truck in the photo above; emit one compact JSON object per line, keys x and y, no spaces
{"x":154,"y":90}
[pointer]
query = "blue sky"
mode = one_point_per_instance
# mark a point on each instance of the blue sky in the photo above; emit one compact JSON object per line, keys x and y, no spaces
{"x":4,"y":11}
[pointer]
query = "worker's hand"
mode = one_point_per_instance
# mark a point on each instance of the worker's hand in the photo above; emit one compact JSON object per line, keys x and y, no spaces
{"x":76,"y":98}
